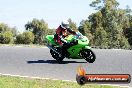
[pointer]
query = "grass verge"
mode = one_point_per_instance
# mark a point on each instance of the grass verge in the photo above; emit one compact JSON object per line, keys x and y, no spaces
{"x":21,"y":82}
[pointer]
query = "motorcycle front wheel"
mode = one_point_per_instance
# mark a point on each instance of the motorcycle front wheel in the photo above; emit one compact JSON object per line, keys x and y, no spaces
{"x":88,"y":55}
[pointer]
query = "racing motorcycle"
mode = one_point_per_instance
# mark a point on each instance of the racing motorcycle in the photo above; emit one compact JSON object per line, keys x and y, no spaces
{"x":79,"y":50}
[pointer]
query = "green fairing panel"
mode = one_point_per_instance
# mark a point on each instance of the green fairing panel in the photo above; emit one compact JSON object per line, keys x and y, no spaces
{"x":83,"y":41}
{"x":50,"y":37}
{"x":87,"y":47}
{"x":74,"y":51}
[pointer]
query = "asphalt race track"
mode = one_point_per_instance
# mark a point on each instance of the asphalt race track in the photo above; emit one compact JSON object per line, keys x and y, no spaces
{"x":37,"y":62}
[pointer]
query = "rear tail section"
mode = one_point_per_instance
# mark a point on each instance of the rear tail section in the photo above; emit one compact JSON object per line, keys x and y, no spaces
{"x":50,"y":39}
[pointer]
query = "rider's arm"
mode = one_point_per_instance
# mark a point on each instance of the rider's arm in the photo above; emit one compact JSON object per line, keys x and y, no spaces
{"x":71,"y":31}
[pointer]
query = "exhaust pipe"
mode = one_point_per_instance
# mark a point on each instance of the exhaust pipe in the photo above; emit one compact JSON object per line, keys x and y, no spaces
{"x":50,"y":47}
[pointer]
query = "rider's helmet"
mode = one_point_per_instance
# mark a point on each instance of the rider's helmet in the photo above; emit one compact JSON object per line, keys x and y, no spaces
{"x":65,"y":24}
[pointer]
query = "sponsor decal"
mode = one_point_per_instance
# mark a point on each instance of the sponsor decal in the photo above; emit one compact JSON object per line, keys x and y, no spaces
{"x":83,"y":78}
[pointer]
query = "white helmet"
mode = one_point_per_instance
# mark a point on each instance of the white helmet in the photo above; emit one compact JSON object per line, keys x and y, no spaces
{"x":65,"y":24}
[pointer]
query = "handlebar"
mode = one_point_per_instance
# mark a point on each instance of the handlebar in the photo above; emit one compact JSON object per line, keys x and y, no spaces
{"x":78,"y":35}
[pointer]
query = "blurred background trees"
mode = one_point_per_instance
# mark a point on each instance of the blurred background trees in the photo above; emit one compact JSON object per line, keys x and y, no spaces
{"x":107,"y":25}
{"x":26,"y":37}
{"x":6,"y":34}
{"x":39,"y":28}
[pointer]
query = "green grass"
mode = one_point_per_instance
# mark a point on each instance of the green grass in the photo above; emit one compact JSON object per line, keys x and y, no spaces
{"x":21,"y":82}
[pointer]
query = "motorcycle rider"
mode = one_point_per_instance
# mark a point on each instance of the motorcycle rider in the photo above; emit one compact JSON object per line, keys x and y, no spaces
{"x":62,"y":32}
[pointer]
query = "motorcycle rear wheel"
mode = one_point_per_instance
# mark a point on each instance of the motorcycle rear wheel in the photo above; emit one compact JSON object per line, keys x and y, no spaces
{"x":59,"y":58}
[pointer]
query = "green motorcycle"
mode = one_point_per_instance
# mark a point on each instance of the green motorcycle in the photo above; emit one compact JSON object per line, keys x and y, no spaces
{"x":80,"y":50}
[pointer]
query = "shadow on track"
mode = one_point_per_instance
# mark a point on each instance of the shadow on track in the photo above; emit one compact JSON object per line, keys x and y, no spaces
{"x":52,"y":62}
